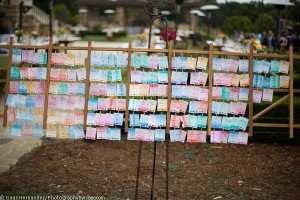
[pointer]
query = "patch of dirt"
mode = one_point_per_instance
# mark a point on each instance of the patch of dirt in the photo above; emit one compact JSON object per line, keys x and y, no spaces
{"x":197,"y":171}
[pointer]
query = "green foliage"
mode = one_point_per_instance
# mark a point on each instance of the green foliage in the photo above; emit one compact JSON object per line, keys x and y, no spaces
{"x":237,"y":23}
{"x":62,"y":12}
{"x":265,"y":22}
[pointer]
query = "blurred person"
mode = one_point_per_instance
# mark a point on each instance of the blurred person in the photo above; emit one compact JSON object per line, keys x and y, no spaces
{"x":283,"y":41}
{"x":270,"y":40}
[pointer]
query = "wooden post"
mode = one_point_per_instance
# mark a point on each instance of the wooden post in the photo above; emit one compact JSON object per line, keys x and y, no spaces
{"x":7,"y":81}
{"x":87,"y":84}
{"x":291,"y":91}
{"x":128,"y":88}
{"x":210,"y":84}
{"x":169,"y":88}
{"x":45,"y":114}
{"x":250,"y":100}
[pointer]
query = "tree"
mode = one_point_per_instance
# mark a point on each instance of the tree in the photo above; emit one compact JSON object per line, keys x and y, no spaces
{"x":265,"y":22}
{"x":61,"y":12}
{"x":237,"y":23}
{"x":64,"y":10}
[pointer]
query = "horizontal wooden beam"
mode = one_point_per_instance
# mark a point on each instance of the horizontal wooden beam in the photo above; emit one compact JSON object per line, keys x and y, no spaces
{"x":271,"y":125}
{"x":270,"y":107}
{"x":220,"y":53}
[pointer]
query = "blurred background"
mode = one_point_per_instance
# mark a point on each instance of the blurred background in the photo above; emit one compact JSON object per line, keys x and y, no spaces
{"x":229,"y":25}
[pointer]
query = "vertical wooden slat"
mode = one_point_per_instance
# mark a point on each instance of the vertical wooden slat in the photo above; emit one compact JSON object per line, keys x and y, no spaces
{"x":7,"y":81}
{"x":87,"y":84}
{"x":250,"y":100}
{"x":45,"y":114}
{"x":128,"y":88}
{"x":210,"y":84}
{"x":169,"y":88}
{"x":291,"y":92}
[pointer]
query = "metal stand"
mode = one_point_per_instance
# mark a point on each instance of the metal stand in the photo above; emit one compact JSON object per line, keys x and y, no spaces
{"x":164,"y":21}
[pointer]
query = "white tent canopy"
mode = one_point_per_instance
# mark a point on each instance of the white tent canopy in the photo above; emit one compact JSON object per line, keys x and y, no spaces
{"x":271,"y":2}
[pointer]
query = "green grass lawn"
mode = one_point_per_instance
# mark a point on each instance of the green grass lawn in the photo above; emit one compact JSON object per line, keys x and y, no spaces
{"x":3,"y":61}
{"x":103,"y":38}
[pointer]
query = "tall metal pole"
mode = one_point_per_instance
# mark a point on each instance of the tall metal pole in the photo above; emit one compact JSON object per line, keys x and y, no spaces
{"x":50,"y":20}
{"x":21,"y":6}
{"x":209,"y":22}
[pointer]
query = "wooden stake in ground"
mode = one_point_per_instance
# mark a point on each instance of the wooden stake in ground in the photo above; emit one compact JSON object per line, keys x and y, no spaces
{"x":128,"y":88}
{"x":250,"y":97}
{"x":210,"y":84}
{"x":45,"y":114}
{"x":87,"y":84}
{"x":291,"y":91}
{"x":8,"y":66}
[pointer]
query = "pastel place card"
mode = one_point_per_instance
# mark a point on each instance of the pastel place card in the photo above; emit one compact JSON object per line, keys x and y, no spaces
{"x":178,"y":106}
{"x":257,"y":96}
{"x":177,"y":135}
{"x":202,"y":63}
{"x":244,"y":94}
{"x":91,"y":133}
{"x":159,"y":135}
{"x":238,"y":137}
{"x":219,"y":137}
{"x":195,"y":136}
{"x":284,"y":81}
{"x":198,"y":107}
{"x":267,"y":95}
{"x":198,"y":78}
{"x":144,"y":135}
{"x":284,"y":67}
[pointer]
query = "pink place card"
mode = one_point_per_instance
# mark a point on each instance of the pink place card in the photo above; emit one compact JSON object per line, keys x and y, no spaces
{"x":159,"y":90}
{"x":198,"y":78}
{"x":144,"y":135}
{"x":27,"y":130}
{"x":32,"y":73}
{"x":219,"y":137}
{"x":185,"y":121}
{"x":178,"y":106}
{"x":234,"y":93}
{"x":228,"y":79}
{"x":175,"y":121}
{"x":118,"y":104}
{"x":241,"y":108}
{"x":216,"y":93}
{"x":195,"y":136}
{"x":200,"y":93}
{"x":24,"y":72}
{"x":55,"y":74}
{"x":13,"y":87}
{"x":91,"y":133}
{"x":101,"y":133}
{"x":218,"y":79}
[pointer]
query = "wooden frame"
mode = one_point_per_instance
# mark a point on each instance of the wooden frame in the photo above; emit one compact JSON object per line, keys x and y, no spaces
{"x":170,"y":51}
